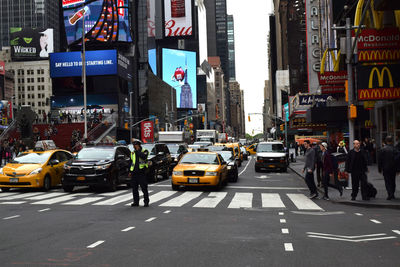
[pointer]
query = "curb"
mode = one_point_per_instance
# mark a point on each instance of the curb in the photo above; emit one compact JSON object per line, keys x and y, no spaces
{"x":355,"y":203}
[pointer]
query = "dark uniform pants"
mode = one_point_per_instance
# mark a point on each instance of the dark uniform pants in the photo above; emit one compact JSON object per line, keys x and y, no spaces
{"x":139,"y":178}
{"x":356,"y":180}
{"x":311,"y":183}
{"x":390,"y":183}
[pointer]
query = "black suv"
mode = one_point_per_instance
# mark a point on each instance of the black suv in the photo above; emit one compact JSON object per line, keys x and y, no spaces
{"x":159,"y":160}
{"x":98,"y":166}
{"x":177,"y":151}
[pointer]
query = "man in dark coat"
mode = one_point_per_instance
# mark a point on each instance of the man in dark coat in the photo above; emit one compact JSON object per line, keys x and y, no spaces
{"x":387,"y":165}
{"x":356,"y":164}
{"x":309,"y":168}
{"x":138,"y":173}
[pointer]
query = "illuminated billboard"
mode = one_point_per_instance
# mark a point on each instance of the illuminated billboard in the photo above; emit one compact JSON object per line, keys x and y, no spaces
{"x":178,"y":18}
{"x":153,"y":60}
{"x":179,"y":71}
{"x":106,"y":21}
{"x":31,"y":44}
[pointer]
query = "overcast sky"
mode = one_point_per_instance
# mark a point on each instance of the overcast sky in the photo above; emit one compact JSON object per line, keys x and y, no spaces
{"x":251,"y":35}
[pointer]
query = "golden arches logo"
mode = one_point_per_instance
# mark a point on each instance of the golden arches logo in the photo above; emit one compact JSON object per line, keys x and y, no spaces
{"x":368,"y":124}
{"x":379,"y":55}
{"x":380,"y":75}
{"x":335,"y":59}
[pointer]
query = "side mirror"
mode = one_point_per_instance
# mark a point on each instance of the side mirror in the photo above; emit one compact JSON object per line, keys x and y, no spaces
{"x":160,"y":153}
{"x":54,"y":162}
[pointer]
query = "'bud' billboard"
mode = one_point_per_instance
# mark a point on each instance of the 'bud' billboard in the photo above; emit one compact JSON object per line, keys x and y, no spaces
{"x":31,"y":44}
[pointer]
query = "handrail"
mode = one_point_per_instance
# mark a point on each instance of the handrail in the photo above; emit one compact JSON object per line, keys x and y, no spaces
{"x":9,"y":128}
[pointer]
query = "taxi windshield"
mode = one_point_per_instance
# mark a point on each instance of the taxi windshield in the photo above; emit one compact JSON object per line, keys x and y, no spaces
{"x":96,"y":154}
{"x":226,"y":155}
{"x":32,"y":158}
{"x":173,"y":149}
{"x":200,"y":159}
{"x":270,"y":148}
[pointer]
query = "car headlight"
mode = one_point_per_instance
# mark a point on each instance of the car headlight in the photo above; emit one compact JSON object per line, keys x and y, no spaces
{"x":176,"y":159}
{"x":229,"y":167}
{"x":103,"y":167}
{"x":211,"y":174}
{"x":1,"y":171}
{"x":177,"y":173}
{"x":67,"y":167}
{"x":38,"y":170}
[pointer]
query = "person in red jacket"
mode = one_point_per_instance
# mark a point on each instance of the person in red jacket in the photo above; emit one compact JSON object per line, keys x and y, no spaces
{"x":327,"y":170}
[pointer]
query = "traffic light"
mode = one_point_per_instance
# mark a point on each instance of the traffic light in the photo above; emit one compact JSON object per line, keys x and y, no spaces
{"x":248,"y":117}
{"x":185,"y":122}
{"x":353,"y":112}
{"x":156,"y":121}
{"x":282,"y":127}
{"x":203,"y":119}
{"x":346,"y":90}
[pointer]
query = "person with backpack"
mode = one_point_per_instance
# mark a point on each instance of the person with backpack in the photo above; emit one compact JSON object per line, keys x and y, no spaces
{"x":387,"y":165}
{"x":329,"y":165}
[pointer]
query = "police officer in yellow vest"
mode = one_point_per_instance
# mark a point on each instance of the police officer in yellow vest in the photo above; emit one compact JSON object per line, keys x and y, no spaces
{"x":138,"y":173}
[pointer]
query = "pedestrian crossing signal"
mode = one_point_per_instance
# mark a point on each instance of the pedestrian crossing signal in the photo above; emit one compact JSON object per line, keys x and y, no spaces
{"x":282,"y":127}
{"x":248,"y":117}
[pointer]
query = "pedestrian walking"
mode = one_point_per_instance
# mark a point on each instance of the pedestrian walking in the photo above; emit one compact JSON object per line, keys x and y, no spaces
{"x":138,"y":173}
{"x":318,"y":163}
{"x":328,"y":171}
{"x":309,"y":167}
{"x":387,"y":165}
{"x":356,"y":164}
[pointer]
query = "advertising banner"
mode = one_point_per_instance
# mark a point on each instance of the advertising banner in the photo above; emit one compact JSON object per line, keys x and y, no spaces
{"x":379,"y":55}
{"x":66,"y":3}
{"x":106,"y":21}
{"x":388,"y":38}
{"x":31,"y":44}
{"x":378,"y":82}
{"x":179,"y":71}
{"x":147,"y":131}
{"x":69,"y":64}
{"x":178,"y":18}
{"x":309,"y":100}
{"x":331,"y":77}
{"x":2,"y":68}
{"x":333,"y":89}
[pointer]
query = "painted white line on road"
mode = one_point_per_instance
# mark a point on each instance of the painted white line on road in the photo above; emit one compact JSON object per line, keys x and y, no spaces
{"x":12,"y":202}
{"x":128,"y":229}
{"x":396,"y":231}
{"x":55,"y":200}
{"x":44,"y":210}
{"x":358,"y":214}
{"x":281,"y":213}
{"x":112,"y":194}
{"x":303,"y":203}
{"x":285,"y":231}
{"x":246,"y":166}
{"x":352,"y":240}
{"x":288,"y":247}
{"x":271,"y":200}
{"x":115,"y":200}
{"x":47,"y":195}
{"x":282,"y":220}
{"x":212,"y":200}
{"x":346,"y":236}
{"x":11,"y":217}
{"x":161,"y":195}
{"x":167,"y":211}
{"x":375,"y":221}
{"x":3,"y":194}
{"x":83,"y":201}
{"x":22,"y":195}
{"x":250,"y":187}
{"x":151,"y":219}
{"x":241,"y":200}
{"x":181,"y":200}
{"x":95,"y":244}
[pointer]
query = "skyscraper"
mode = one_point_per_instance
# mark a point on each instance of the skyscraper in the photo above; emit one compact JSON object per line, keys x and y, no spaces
{"x":29,"y":14}
{"x":231,"y":48}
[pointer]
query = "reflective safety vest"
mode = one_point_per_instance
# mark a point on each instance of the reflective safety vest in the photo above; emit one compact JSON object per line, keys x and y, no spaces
{"x":142,"y":163}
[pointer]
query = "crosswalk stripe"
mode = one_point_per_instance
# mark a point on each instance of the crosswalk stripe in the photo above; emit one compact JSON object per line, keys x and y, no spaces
{"x":22,"y":195}
{"x":140,"y":195}
{"x":212,"y":200}
{"x":83,"y":201}
{"x":303,"y":203}
{"x":115,"y":200}
{"x":181,"y":200}
{"x":111,"y":194}
{"x":271,"y":201}
{"x":3,"y":194}
{"x":241,"y":200}
{"x":161,"y":195}
{"x":12,"y":202}
{"x":48,"y":195}
{"x":58,"y":199}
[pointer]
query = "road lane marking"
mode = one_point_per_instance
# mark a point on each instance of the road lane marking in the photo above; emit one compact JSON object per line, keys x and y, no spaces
{"x":303,"y":203}
{"x":213,"y":199}
{"x":352,"y":240}
{"x":358,"y":214}
{"x":115,"y":200}
{"x":3,"y":194}
{"x":95,"y":244}
{"x":246,"y":166}
{"x":22,"y":195}
{"x":396,"y":231}
{"x":83,"y":201}
{"x":58,"y":199}
{"x":128,"y":229}
{"x":112,"y":194}
{"x":48,"y":195}
{"x":272,"y":200}
{"x":375,"y":221}
{"x":151,"y":219}
{"x":250,"y":187}
{"x":11,"y":217}
{"x":167,"y":211}
{"x":161,"y":195}
{"x":12,"y":202}
{"x":281,"y":213}
{"x":44,"y":210}
{"x":346,"y":236}
{"x":282,"y":220}
{"x":241,"y":200}
{"x":285,"y":231}
{"x":288,"y":247}
{"x":181,"y":200}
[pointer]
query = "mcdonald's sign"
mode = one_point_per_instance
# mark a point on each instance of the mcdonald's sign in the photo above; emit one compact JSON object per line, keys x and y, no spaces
{"x":387,"y":38}
{"x":368,"y":124}
{"x":379,"y":55}
{"x":378,"y":82}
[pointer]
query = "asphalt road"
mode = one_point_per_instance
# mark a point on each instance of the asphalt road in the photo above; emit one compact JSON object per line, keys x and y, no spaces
{"x":265,"y":219}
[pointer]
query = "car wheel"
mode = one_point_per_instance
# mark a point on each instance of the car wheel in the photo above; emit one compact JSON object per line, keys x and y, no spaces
{"x":155,"y":177}
{"x":113,"y":184}
{"x":47,"y":183}
{"x":284,"y":169}
{"x":175,"y":187}
{"x":5,"y":189}
{"x":257,"y":169}
{"x":166,"y":174}
{"x":68,"y":188}
{"x":219,"y":185}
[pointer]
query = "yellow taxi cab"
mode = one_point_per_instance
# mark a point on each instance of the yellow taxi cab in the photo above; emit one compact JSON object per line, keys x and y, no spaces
{"x":238,"y":153}
{"x":200,"y":169}
{"x":37,"y":168}
{"x":252,"y":149}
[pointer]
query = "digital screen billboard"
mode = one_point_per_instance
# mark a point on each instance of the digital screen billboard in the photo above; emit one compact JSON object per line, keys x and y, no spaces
{"x":153,"y":60}
{"x":178,"y":18}
{"x":106,"y":21}
{"x":31,"y":44}
{"x":179,"y":71}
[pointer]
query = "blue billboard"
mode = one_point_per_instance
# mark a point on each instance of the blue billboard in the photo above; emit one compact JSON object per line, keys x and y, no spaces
{"x":153,"y":60}
{"x":179,"y":71}
{"x":106,"y":21}
{"x":69,"y":64}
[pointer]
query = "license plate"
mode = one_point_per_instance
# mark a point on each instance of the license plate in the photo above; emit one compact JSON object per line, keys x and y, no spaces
{"x":81,"y":178}
{"x":193,"y":180}
{"x":271,"y":166}
{"x":14,"y":180}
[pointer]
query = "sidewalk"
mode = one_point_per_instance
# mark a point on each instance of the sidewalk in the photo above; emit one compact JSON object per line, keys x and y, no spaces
{"x":374,"y":177}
